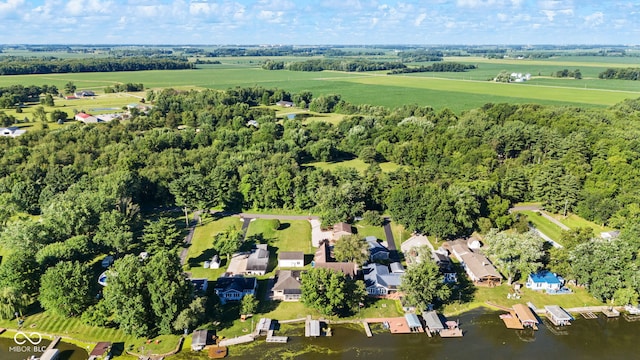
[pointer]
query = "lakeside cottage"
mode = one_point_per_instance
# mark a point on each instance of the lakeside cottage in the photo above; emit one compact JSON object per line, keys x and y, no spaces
{"x":544,"y":280}
{"x":287,"y":285}
{"x":235,"y":288}
{"x":379,"y":281}
{"x":479,"y":269}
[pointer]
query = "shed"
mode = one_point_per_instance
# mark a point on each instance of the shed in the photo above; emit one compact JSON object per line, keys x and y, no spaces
{"x":200,"y":339}
{"x":413,"y":321}
{"x":557,"y":315}
{"x":431,"y":318}
{"x":525,"y":315}
{"x":100,"y":349}
{"x":314,"y":328}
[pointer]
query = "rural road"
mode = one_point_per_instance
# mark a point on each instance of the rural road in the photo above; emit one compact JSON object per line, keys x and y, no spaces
{"x":277,"y":217}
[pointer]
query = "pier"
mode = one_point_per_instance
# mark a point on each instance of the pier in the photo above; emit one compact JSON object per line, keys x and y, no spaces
{"x":367,"y":329}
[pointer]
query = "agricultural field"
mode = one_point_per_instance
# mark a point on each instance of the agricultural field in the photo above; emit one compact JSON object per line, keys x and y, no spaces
{"x":457,"y":91}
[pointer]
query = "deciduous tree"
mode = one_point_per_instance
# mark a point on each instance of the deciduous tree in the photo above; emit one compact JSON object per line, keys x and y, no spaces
{"x":514,"y":254}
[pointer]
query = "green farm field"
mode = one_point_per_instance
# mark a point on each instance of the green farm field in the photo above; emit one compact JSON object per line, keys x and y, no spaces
{"x":457,"y":91}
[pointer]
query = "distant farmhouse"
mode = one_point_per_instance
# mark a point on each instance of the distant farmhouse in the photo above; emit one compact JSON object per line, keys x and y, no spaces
{"x":84,"y":93}
{"x":11,"y":131}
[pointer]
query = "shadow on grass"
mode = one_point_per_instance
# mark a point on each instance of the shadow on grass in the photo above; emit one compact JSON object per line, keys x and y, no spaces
{"x":283,"y":226}
{"x":117,"y":349}
{"x":464,"y":290}
{"x":205,"y":256}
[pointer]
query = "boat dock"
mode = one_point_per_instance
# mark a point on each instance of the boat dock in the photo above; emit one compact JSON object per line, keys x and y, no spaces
{"x":589,"y":315}
{"x":367,"y":329}
{"x":520,"y":317}
{"x":611,"y":313}
{"x":54,"y":343}
{"x":271,"y":338}
{"x":557,"y":315}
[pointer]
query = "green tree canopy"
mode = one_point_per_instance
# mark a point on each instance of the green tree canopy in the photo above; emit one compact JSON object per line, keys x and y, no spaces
{"x":514,"y":254}
{"x":423,"y":284}
{"x":351,"y":248}
{"x":66,"y":288}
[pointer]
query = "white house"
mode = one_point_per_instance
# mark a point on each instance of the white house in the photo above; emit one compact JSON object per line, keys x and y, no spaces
{"x":11,"y":131}
{"x":544,"y":280}
{"x":291,"y":259}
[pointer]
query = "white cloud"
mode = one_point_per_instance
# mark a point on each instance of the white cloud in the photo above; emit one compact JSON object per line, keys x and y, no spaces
{"x":10,"y":6}
{"x":87,"y":7}
{"x":595,"y":19}
{"x":420,"y":19}
{"x":271,"y":16}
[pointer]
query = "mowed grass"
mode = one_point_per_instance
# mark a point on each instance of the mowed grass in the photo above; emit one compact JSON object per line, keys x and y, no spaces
{"x":357,"y":164}
{"x":201,"y":248}
{"x":292,"y":235}
{"x":543,"y":224}
{"x":400,"y":235}
{"x":72,"y":328}
{"x":574,"y":221}
{"x":498,"y":295}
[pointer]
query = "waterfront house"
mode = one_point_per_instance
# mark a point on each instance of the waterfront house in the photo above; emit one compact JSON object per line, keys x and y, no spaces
{"x":376,"y":250}
{"x":340,"y":230}
{"x":557,"y":315}
{"x":291,"y":259}
{"x":477,"y":266}
{"x":287,"y":285}
{"x":234,"y":288}
{"x":323,"y":259}
{"x":544,"y":280}
{"x":379,"y":281}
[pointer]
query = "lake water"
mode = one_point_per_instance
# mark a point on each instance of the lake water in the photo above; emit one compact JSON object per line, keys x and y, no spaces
{"x":486,"y":337}
{"x":9,"y":350}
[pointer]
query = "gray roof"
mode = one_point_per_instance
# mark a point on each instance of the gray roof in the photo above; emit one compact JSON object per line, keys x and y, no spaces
{"x":413,"y":321}
{"x":558,"y":313}
{"x":396,"y":267}
{"x":314,"y":328}
{"x":476,"y":263}
{"x":376,"y":274}
{"x":258,"y":260}
{"x":199,"y":338}
{"x":235,"y":283}
{"x":288,"y":281}
{"x":432,"y":320}
{"x":291,"y":255}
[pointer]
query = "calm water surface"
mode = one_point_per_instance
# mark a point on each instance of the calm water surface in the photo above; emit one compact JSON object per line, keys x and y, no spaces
{"x":485,"y":338}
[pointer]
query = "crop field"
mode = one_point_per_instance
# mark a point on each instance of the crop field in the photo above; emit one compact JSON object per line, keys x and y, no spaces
{"x":457,"y":91}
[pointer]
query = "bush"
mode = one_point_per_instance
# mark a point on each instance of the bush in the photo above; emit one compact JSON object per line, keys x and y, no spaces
{"x":372,"y":218}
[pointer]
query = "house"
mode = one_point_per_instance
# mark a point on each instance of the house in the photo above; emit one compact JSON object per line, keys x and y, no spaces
{"x":376,"y":250}
{"x":86,"y":118}
{"x":258,"y":260}
{"x":396,"y":268}
{"x":416,"y":241}
{"x":379,"y":281}
{"x":477,"y":266}
{"x":215,"y":262}
{"x":323,"y":259}
{"x":441,"y":258}
{"x":11,"y":131}
{"x":234,"y":288}
{"x":291,"y":259}
{"x":544,"y":280}
{"x":84,"y":93}
{"x":287,"y":285}
{"x":201,"y":338}
{"x":340,"y":230}
{"x":285,"y":103}
{"x":200,"y":285}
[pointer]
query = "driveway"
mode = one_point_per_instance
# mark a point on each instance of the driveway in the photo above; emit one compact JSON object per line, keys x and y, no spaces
{"x":317,"y":234}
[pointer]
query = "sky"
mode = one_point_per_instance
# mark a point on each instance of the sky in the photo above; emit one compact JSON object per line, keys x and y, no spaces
{"x":317,"y":22}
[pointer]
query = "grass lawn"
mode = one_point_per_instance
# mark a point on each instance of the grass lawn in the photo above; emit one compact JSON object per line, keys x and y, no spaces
{"x":400,"y":235}
{"x":357,"y":164}
{"x":574,"y":221}
{"x":545,"y":225}
{"x":76,"y":332}
{"x":201,"y":248}
{"x":292,"y":235}
{"x":498,"y":295}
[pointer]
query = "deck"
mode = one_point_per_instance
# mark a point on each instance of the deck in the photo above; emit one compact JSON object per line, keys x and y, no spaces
{"x":396,"y":325}
{"x":589,"y":315}
{"x":217,"y":352}
{"x":511,"y":321}
{"x":611,"y":313}
{"x":271,"y":338}
{"x":446,"y":333}
{"x":367,"y":329}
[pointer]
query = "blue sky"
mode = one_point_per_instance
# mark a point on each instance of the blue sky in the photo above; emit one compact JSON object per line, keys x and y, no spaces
{"x":320,"y":22}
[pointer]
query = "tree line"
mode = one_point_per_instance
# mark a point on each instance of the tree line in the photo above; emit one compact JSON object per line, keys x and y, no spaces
{"x":330,"y":64}
{"x":12,"y":65}
{"x":436,"y":67}
{"x":621,"y":74}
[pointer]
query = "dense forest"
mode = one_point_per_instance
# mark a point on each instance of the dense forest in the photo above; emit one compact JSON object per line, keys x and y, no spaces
{"x":457,"y":173}
{"x":16,"y":65}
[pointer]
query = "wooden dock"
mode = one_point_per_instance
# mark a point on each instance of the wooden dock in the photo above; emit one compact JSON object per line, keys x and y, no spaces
{"x":611,"y":313}
{"x":367,"y":329}
{"x":271,"y":338}
{"x":54,"y":343}
{"x":511,"y":321}
{"x":397,"y":325}
{"x":447,"y":333}
{"x":589,"y":315}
